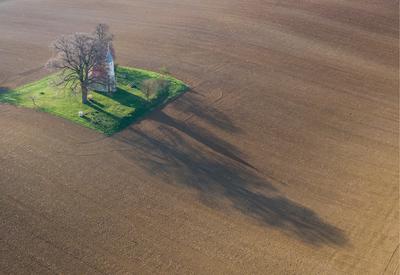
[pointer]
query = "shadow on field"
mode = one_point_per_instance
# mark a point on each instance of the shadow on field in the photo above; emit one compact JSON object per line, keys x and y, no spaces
{"x":125,"y":98}
{"x":192,"y":106}
{"x":8,"y":96}
{"x":4,"y":89}
{"x":183,"y":153}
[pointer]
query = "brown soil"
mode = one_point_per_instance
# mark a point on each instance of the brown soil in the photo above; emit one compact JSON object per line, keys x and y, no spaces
{"x":283,"y":159}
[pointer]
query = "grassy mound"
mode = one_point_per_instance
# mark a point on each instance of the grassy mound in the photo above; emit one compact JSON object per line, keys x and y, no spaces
{"x":106,"y":112}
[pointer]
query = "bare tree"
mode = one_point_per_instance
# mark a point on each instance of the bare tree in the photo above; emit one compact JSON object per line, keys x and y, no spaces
{"x":105,"y":37}
{"x":77,"y":55}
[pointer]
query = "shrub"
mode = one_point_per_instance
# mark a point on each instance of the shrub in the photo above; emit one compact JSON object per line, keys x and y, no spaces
{"x":154,"y":87}
{"x":164,"y":70}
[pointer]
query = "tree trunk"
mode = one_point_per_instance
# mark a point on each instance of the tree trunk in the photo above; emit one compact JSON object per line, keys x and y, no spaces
{"x":84,"y":94}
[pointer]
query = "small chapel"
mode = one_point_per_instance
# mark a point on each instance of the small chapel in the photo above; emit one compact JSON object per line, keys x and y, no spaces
{"x":105,"y":74}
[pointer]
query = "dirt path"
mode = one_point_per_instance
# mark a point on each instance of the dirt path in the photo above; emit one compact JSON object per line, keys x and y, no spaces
{"x":283,"y":159}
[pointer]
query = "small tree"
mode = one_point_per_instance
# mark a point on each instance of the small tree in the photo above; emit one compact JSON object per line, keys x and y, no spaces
{"x":77,"y":55}
{"x":152,"y":87}
{"x":147,"y":88}
{"x":164,"y":70}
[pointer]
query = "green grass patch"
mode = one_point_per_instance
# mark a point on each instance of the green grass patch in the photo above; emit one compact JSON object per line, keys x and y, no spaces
{"x":106,"y":112}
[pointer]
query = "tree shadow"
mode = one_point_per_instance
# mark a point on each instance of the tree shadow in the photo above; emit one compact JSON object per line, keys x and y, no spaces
{"x":9,"y":96}
{"x":95,"y":102}
{"x":4,"y":89}
{"x":126,"y":98}
{"x":192,"y":105}
{"x":203,"y":136}
{"x":193,"y":156}
{"x":99,"y":108}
